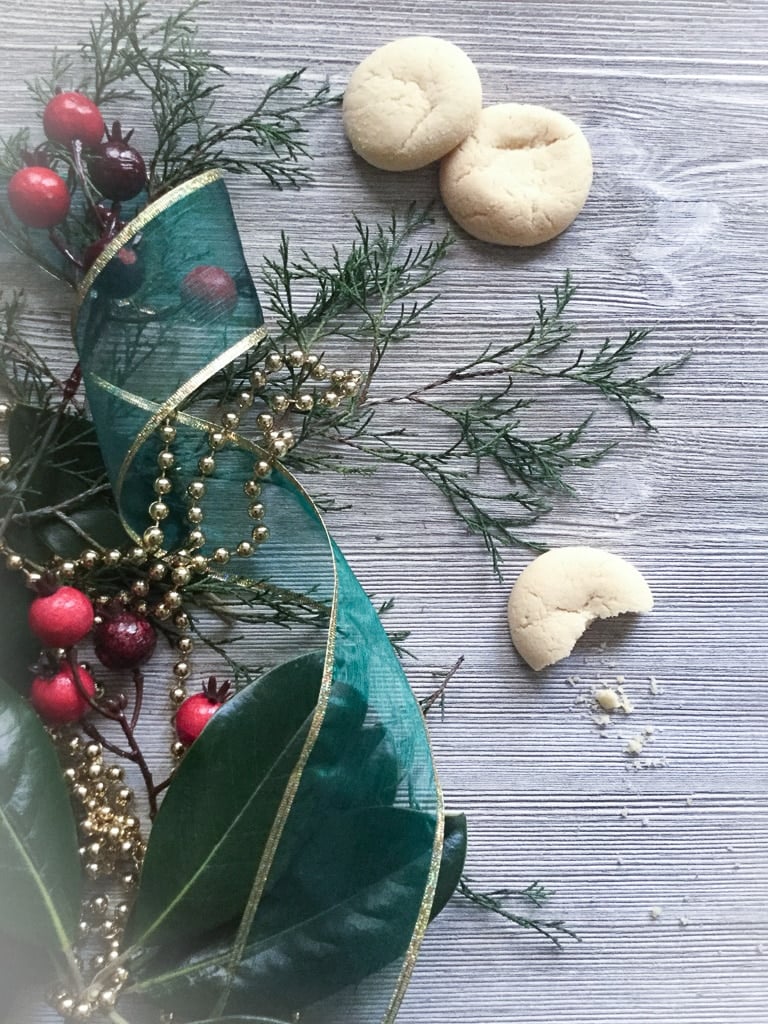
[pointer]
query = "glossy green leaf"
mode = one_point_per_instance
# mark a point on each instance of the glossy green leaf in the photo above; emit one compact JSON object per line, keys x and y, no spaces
{"x":22,"y":967}
{"x":19,"y":647}
{"x":39,"y":863}
{"x":100,"y":523}
{"x":207,"y":840}
{"x":452,"y":861}
{"x":240,"y":1020}
{"x":330,"y":921}
{"x":71,"y":462}
{"x":70,"y":466}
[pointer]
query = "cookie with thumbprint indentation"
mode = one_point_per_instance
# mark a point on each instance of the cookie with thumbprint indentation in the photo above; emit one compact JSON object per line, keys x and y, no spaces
{"x":411,"y":102}
{"x":520,"y":178}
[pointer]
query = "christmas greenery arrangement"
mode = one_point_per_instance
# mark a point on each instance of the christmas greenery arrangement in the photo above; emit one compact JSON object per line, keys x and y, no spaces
{"x":285,"y":862}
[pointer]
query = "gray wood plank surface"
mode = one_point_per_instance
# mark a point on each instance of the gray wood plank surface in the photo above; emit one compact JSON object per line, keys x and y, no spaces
{"x":673,"y":97}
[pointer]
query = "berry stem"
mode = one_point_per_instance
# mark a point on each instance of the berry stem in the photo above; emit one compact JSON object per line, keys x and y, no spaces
{"x":58,"y":243}
{"x":138,"y":682}
{"x":77,"y":160}
{"x":114,"y":711}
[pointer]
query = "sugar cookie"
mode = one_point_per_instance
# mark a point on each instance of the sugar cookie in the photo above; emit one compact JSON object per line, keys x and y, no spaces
{"x":562,"y":592}
{"x":411,"y":102}
{"x":520,"y":178}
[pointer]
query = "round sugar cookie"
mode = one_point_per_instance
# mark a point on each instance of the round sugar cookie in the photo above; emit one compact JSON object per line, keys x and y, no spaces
{"x":520,"y":178}
{"x":411,"y":102}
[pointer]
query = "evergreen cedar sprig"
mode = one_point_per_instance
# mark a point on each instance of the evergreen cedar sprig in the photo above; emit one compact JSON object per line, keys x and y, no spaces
{"x":24,"y":374}
{"x":126,"y":48}
{"x":535,"y":893}
{"x":497,"y":477}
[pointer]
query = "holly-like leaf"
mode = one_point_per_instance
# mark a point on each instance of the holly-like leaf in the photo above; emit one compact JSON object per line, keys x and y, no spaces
{"x":452,"y":861}
{"x":334,"y":918}
{"x":207,"y":840}
{"x":39,"y":863}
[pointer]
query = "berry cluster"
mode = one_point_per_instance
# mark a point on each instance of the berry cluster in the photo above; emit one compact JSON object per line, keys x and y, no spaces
{"x":60,"y":617}
{"x":63,"y":692}
{"x":100,"y":161}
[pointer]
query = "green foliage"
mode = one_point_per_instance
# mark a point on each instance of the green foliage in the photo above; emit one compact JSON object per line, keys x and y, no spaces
{"x":301,"y":948}
{"x":24,"y":373}
{"x":497,"y":477}
{"x":496,"y":902}
{"x":128,"y":48}
{"x":39,"y":863}
{"x":55,"y":499}
{"x":207,"y":840}
{"x":452,"y":861}
{"x":20,"y":648}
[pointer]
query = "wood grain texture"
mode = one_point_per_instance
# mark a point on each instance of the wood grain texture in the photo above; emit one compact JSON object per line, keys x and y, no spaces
{"x":673,"y":97}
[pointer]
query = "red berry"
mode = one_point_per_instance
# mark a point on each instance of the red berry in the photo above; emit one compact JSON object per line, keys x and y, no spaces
{"x":69,"y":116}
{"x":57,"y":698}
{"x":122,"y":276}
{"x":211,"y":290}
{"x":124,"y":640}
{"x":196,"y":711}
{"x":117,"y":170}
{"x":62,"y":618}
{"x":38,"y":197}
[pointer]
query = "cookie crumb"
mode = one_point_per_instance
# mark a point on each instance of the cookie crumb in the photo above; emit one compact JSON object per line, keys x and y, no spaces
{"x":635,"y":745}
{"x":608,"y":699}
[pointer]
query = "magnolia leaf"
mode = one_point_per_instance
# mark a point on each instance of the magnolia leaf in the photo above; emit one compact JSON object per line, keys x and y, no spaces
{"x":22,"y":967}
{"x":19,"y":647}
{"x":39,"y":863}
{"x":69,"y":466}
{"x":452,"y":861}
{"x":69,"y":516}
{"x":332,"y":920}
{"x":207,"y":840}
{"x":240,"y":1020}
{"x":96,"y":521}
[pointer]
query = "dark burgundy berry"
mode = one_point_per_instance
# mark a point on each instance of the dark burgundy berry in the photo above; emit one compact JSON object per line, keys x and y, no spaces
{"x":58,"y":699}
{"x":38,"y":197}
{"x":62,"y":618}
{"x":124,"y":640}
{"x":71,"y":115}
{"x":117,"y":170}
{"x":196,"y":711}
{"x":122,"y":276}
{"x":211,"y":291}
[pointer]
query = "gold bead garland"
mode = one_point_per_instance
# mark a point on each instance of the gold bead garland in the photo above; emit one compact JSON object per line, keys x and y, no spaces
{"x":113,"y":847}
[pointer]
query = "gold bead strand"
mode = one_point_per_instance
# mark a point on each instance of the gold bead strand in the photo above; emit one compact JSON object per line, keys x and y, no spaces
{"x":158,"y":509}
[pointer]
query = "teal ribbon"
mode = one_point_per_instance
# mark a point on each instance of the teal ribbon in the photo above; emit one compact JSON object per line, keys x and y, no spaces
{"x":146,"y":356}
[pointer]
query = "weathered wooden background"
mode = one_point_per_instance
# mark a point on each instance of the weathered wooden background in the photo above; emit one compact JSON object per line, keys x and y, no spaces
{"x":673,"y":97}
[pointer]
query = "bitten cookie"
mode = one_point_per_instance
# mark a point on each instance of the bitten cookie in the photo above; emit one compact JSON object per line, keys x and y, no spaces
{"x":520,"y":178}
{"x":411,"y":102}
{"x":562,"y":592}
